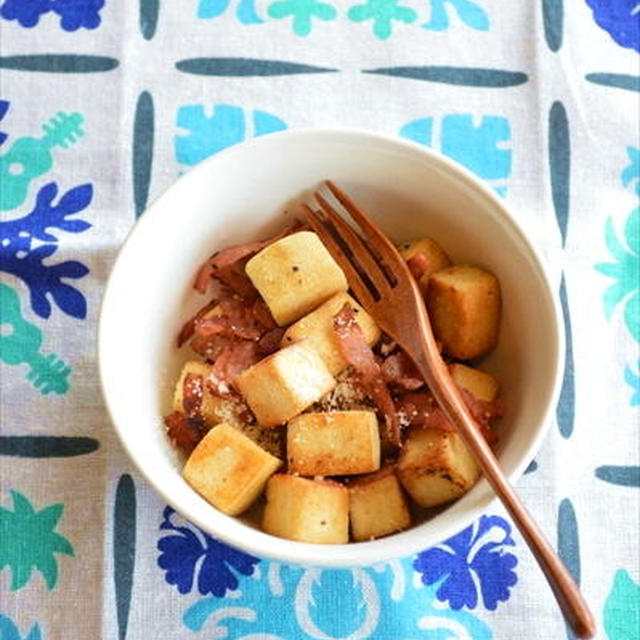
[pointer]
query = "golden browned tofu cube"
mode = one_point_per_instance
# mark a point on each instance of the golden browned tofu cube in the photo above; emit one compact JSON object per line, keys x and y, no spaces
{"x":228,"y":469}
{"x":334,"y":443}
{"x":317,"y":328}
{"x":479,"y":384}
{"x":294,"y":275}
{"x":377,"y":506}
{"x":285,"y":383}
{"x":213,"y":408}
{"x":306,"y":510}
{"x":464,"y":308}
{"x":435,"y":467}
{"x":435,"y":258}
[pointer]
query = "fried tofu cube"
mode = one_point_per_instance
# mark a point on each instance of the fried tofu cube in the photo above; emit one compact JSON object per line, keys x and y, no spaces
{"x":213,"y":408}
{"x":335,"y":443}
{"x":306,"y":510}
{"x":464,"y":308}
{"x":285,"y":383}
{"x":228,"y":469}
{"x":435,"y":466}
{"x":479,"y":384}
{"x":435,"y":258}
{"x":294,"y":275}
{"x":317,"y":328}
{"x":377,"y":506}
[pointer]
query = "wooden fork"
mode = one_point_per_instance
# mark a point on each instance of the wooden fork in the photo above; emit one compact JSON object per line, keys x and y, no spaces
{"x":382,"y":282}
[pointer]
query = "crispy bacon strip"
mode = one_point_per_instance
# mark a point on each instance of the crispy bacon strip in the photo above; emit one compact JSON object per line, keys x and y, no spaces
{"x":398,"y":370}
{"x":421,"y":409}
{"x":270,"y":341}
{"x":357,"y":352}
{"x":240,"y":319}
{"x":230,"y":363}
{"x":192,"y":394}
{"x":189,"y":326}
{"x":184,"y":431}
{"x":262,"y":314}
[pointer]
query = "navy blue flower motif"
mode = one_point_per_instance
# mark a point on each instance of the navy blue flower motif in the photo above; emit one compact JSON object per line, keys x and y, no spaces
{"x":26,"y":12}
{"x":620,"y":18}
{"x":74,"y":14}
{"x":180,"y":552}
{"x":473,"y":551}
{"x":22,"y":258}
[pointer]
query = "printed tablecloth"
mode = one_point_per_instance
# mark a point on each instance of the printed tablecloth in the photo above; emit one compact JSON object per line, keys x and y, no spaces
{"x":106,"y":103}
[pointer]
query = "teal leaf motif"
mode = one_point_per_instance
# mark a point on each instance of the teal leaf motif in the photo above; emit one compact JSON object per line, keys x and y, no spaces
{"x":625,"y":271}
{"x":621,"y":613}
{"x":28,"y":541}
{"x":9,"y":631}
{"x":302,"y":11}
{"x":382,"y":13}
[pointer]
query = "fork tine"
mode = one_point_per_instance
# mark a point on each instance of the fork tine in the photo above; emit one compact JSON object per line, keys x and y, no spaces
{"x":357,"y":246}
{"x":377,"y":239}
{"x":354,"y":279}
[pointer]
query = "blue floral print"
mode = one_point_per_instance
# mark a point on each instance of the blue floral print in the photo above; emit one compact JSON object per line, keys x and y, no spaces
{"x":181,"y":551}
{"x":473,"y":552}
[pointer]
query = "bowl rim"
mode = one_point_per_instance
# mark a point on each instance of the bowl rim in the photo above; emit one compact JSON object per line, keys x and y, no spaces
{"x":402,"y":544}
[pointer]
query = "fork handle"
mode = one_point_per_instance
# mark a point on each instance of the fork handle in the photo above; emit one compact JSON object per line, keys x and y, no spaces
{"x":567,"y":593}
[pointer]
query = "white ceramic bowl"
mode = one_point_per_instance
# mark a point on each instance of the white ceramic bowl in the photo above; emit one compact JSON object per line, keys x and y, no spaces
{"x":239,"y":195}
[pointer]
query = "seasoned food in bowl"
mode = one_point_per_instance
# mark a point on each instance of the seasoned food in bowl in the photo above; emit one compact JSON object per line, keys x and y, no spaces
{"x":241,"y":194}
{"x":294,"y":400}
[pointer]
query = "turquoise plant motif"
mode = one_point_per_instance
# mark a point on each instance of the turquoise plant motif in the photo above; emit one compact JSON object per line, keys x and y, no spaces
{"x":633,"y":380}
{"x":630,"y":176}
{"x":10,"y":631}
{"x":382,"y":13}
{"x":28,"y":541}
{"x":483,"y":145}
{"x":471,"y":13}
{"x":245,"y":12}
{"x":227,"y":125}
{"x":20,"y":343}
{"x":376,"y":603}
{"x":625,"y":271}
{"x":621,"y":613}
{"x":302,"y":11}
{"x":28,"y":158}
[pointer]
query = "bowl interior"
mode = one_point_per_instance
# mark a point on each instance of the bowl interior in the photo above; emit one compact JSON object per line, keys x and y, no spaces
{"x":240,"y":195}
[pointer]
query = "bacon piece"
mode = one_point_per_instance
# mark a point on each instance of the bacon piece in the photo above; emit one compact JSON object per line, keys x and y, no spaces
{"x":418,"y":264}
{"x":357,"y":352}
{"x":399,"y":370}
{"x":189,"y":326}
{"x":234,"y":277}
{"x":422,"y":409}
{"x":270,"y":341}
{"x":184,"y":431}
{"x":192,"y":394}
{"x":235,"y":320}
{"x":230,"y":363}
{"x":262,"y":314}
{"x":209,"y":347}
{"x":240,"y":319}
